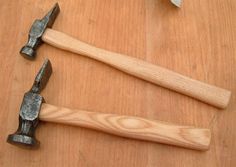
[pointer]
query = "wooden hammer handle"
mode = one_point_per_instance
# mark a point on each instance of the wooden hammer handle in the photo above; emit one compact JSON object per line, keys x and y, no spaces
{"x":207,"y":93}
{"x":130,"y":127}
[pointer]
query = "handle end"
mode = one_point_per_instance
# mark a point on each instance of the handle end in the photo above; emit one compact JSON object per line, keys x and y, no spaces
{"x":200,"y":138}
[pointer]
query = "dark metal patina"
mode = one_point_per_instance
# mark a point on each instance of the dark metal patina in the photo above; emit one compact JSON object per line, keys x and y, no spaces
{"x":29,"y":110}
{"x":36,"y":32}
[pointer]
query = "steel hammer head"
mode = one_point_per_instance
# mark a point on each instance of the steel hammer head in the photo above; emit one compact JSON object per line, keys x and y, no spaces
{"x":29,"y":110}
{"x":36,"y":32}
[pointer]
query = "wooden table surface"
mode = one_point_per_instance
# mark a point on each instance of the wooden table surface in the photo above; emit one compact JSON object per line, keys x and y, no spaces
{"x":198,"y":40}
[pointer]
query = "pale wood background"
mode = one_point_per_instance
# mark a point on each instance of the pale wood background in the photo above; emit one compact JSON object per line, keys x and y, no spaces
{"x":199,"y":40}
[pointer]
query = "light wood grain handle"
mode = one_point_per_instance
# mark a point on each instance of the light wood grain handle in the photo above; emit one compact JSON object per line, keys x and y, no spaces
{"x":130,"y":127}
{"x":207,"y":93}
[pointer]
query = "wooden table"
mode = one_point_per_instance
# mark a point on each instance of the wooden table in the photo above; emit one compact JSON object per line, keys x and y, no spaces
{"x":198,"y":40}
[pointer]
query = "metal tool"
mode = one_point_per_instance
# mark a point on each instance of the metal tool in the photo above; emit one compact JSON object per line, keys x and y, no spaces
{"x":34,"y":108}
{"x":37,"y":30}
{"x":40,"y":31}
{"x":30,"y":107}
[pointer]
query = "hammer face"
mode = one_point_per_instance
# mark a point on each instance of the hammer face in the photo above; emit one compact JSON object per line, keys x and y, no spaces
{"x":23,"y":141}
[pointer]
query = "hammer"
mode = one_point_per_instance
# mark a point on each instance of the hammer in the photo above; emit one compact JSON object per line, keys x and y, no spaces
{"x":34,"y":108}
{"x":41,"y":31}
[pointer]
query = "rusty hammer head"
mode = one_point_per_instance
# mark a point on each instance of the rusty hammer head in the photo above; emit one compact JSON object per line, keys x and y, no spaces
{"x":29,"y":110}
{"x":36,"y":32}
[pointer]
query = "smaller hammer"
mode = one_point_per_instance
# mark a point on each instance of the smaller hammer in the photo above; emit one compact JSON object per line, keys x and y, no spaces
{"x":41,"y":31}
{"x":34,"y":108}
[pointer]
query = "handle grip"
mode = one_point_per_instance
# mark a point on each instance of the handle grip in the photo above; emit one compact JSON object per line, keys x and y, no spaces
{"x":207,"y":93}
{"x":130,"y":127}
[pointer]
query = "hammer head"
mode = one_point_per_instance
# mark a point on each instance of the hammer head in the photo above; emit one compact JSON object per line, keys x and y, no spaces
{"x":36,"y":32}
{"x":29,"y":110}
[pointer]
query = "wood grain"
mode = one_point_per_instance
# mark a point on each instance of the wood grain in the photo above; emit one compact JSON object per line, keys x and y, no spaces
{"x":197,"y":40}
{"x":130,"y":127}
{"x":149,"y":72}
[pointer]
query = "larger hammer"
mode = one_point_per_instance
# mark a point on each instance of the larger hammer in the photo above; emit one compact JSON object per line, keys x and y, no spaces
{"x":34,"y":109}
{"x":41,"y":31}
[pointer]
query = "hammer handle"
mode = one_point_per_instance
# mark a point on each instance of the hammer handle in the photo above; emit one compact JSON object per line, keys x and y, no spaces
{"x":130,"y":127}
{"x":155,"y":74}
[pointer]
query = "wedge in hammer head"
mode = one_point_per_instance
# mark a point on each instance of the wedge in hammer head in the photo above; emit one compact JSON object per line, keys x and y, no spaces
{"x":37,"y":30}
{"x":29,"y":110}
